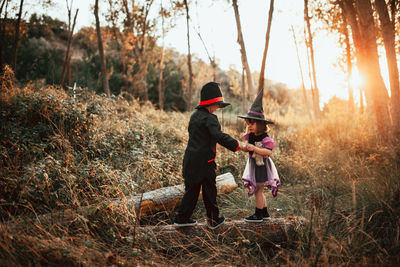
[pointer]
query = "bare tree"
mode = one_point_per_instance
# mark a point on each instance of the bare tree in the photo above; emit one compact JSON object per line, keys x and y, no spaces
{"x":112,"y":18}
{"x":243,"y":51}
{"x":104,"y":73}
{"x":303,"y":88}
{"x":137,"y":23}
{"x":71,"y":32}
{"x":189,"y":60}
{"x":161,"y":68}
{"x":212,"y":60}
{"x":16,"y":39}
{"x":261,"y":78}
{"x":388,"y":34}
{"x":314,"y":88}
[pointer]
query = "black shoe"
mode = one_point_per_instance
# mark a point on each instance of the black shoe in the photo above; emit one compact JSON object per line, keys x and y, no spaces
{"x":254,"y":218}
{"x":214,"y":224}
{"x":188,"y":222}
{"x":265,"y":214}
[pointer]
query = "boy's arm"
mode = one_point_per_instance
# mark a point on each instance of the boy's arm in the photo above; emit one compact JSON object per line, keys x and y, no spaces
{"x":222,"y":138}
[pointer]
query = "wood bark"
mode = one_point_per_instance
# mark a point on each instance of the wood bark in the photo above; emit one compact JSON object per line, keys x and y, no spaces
{"x":189,"y":59}
{"x":104,"y":73}
{"x":388,"y":34}
{"x":262,"y":72}
{"x":67,"y":54}
{"x":16,"y":39}
{"x":245,"y":63}
{"x":274,"y":231}
{"x":375,"y":84}
{"x":315,"y":91}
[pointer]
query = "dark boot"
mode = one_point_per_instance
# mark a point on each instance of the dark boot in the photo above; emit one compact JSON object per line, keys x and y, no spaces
{"x":256,"y":217}
{"x":265,"y":213}
{"x":214,"y":224}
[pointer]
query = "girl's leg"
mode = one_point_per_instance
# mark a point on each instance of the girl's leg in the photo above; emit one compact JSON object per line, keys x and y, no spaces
{"x":261,"y":202}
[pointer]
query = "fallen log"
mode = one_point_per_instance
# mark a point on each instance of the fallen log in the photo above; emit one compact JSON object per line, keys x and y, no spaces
{"x":159,"y":199}
{"x":168,"y":197}
{"x":274,"y":232}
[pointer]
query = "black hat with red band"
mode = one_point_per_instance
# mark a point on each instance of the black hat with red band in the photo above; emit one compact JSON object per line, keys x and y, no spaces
{"x":211,"y":95}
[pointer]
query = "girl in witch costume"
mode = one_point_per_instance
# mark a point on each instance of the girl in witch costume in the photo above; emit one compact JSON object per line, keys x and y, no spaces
{"x":260,"y":170}
{"x":198,"y":163}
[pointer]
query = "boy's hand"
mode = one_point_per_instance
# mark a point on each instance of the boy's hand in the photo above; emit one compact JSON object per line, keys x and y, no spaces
{"x":242,"y":146}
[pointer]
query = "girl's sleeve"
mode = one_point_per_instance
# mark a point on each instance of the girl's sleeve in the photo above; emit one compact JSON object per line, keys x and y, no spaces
{"x":268,"y":143}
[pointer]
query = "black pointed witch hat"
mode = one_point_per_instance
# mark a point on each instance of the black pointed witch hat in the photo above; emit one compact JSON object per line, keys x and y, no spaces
{"x":256,"y":111}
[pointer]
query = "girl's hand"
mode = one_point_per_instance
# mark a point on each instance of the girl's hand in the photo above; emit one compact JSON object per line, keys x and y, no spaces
{"x":250,"y":147}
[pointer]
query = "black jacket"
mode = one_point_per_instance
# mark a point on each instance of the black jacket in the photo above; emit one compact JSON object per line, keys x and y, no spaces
{"x":204,"y":134}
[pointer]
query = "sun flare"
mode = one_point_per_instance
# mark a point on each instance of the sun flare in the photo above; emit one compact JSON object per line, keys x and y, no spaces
{"x":357,"y":80}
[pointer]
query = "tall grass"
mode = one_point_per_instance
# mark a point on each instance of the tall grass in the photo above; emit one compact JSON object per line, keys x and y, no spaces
{"x":58,"y":153}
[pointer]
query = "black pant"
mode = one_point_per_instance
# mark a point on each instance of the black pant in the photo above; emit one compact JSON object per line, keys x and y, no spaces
{"x":192,"y":190}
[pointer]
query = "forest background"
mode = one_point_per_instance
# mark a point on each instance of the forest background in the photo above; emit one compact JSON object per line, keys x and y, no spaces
{"x":91,"y":116}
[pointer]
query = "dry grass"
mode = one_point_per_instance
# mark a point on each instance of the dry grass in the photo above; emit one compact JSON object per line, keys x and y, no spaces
{"x":58,"y":153}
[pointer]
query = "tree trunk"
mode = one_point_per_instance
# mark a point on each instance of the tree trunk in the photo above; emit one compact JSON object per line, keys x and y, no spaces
{"x":240,"y":40}
{"x":69,"y":71}
{"x":350,"y":13}
{"x":2,"y":31}
{"x":104,"y":73}
{"x":349,"y":63}
{"x":244,"y":110}
{"x":189,"y":59}
{"x":161,"y":69}
{"x":67,"y":54}
{"x":389,"y":42}
{"x":114,"y":27}
{"x":314,"y":88}
{"x":137,"y":23}
{"x":262,"y":72}
{"x":362,"y":109}
{"x":303,"y":88}
{"x":16,"y":39}
{"x":274,"y":231}
{"x":375,"y":84}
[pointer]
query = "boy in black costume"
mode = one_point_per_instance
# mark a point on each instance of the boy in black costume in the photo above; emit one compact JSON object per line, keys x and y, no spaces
{"x":198,"y":163}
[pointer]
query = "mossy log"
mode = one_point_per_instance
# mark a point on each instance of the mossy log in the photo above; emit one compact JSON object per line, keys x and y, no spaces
{"x":168,"y":197}
{"x":274,"y":232}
